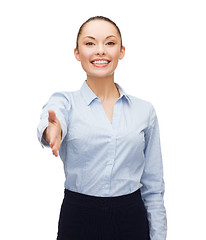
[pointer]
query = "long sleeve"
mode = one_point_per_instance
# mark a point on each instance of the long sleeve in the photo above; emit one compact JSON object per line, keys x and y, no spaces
{"x":152,"y":180}
{"x":60,"y":104}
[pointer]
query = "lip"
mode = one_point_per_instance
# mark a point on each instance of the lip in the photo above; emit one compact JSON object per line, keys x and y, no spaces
{"x":100,"y":65}
{"x":100,"y":59}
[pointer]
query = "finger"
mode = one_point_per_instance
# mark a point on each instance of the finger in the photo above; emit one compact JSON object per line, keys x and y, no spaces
{"x":55,"y":151}
{"x":55,"y":147}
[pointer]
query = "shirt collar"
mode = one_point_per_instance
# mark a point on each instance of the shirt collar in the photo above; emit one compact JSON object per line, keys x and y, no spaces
{"x":89,"y":95}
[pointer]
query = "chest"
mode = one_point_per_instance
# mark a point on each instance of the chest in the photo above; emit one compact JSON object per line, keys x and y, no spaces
{"x":111,"y":117}
{"x":108,"y":109}
{"x":90,"y":131}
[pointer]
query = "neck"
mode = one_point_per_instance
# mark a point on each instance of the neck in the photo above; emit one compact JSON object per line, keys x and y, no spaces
{"x":104,"y":88}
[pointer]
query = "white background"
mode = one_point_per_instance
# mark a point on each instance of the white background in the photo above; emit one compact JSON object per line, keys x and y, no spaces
{"x":165,"y":63}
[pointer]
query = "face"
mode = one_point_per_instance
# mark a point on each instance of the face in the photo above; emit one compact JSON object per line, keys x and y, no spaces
{"x":99,"y":49}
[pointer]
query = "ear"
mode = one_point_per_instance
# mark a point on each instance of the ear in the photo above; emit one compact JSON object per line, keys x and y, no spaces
{"x":122,"y":53}
{"x":76,"y":54}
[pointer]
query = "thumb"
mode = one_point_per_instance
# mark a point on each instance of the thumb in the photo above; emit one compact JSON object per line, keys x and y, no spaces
{"x":52,"y":116}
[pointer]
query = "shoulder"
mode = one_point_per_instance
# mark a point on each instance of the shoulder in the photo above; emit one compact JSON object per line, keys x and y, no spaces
{"x":143,"y":107}
{"x":141,"y":103}
{"x":65,"y":98}
{"x":63,"y":95}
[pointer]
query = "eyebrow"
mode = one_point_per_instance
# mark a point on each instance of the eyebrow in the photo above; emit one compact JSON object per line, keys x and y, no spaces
{"x":106,"y":37}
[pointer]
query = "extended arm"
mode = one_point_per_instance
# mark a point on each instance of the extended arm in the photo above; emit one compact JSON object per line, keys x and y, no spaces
{"x":53,"y":124}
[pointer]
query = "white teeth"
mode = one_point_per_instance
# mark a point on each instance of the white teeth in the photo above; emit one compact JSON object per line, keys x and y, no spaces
{"x":100,"y":62}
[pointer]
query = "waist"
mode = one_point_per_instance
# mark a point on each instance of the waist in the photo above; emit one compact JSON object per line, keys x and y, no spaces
{"x":97,"y":201}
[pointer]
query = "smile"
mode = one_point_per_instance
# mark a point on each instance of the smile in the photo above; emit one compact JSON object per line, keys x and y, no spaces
{"x":100,"y":63}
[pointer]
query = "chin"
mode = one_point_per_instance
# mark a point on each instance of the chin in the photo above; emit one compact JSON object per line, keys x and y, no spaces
{"x":100,"y":75}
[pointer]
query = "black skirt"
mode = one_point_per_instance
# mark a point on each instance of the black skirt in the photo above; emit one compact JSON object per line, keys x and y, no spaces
{"x":85,"y":217}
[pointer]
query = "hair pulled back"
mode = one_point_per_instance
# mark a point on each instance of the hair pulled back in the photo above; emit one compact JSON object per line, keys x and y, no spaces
{"x":97,"y":18}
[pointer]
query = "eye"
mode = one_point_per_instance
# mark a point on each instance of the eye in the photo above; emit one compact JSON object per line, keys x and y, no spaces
{"x":89,"y":43}
{"x":111,"y":43}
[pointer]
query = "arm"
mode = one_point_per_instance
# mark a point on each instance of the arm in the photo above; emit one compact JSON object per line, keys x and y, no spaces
{"x":152,"y":180}
{"x":53,"y":122}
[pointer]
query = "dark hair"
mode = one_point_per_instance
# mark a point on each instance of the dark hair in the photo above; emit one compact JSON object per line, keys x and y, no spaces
{"x":97,"y":18}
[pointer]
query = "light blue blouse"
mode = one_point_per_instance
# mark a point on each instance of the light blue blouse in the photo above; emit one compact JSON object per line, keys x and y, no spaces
{"x":104,"y":159}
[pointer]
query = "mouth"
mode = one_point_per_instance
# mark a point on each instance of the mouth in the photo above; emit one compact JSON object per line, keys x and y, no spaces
{"x":100,"y":63}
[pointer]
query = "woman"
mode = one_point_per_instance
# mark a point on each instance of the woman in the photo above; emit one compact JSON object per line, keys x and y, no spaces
{"x":109,"y":143}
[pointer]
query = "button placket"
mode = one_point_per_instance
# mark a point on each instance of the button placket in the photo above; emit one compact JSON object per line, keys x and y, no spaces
{"x":111,"y":150}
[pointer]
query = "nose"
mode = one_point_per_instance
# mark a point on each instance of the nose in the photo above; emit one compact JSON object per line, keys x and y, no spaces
{"x":100,"y":49}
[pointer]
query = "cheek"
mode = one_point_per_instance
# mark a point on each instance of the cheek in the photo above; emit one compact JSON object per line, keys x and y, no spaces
{"x":85,"y":54}
{"x":115,"y":53}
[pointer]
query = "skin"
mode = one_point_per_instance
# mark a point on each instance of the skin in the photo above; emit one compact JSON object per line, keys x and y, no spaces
{"x":100,"y":80}
{"x":52,"y":134}
{"x":98,"y":39}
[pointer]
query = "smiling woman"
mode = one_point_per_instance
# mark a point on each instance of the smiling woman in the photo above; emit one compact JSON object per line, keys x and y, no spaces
{"x":99,"y":48}
{"x":109,"y":143}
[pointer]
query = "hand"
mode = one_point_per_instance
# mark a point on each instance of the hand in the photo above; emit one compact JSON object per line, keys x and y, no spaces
{"x":53,"y":133}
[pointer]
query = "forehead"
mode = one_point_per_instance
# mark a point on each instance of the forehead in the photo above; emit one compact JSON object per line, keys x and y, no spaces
{"x":100,"y":28}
